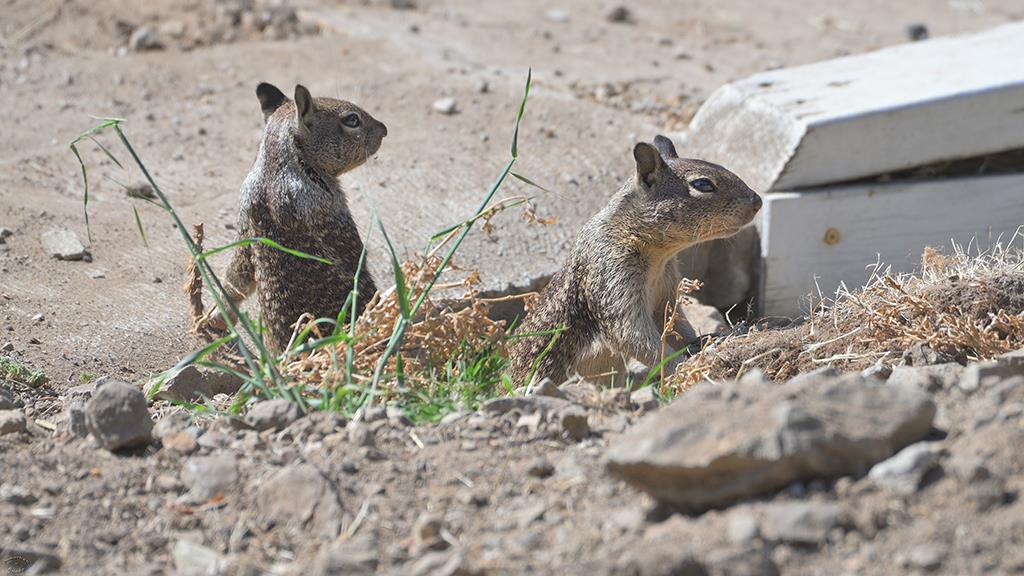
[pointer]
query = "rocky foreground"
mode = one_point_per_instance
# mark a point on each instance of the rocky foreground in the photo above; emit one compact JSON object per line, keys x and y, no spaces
{"x":905,"y":469}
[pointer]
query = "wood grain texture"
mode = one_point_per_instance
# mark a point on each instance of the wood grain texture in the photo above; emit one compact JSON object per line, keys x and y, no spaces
{"x":892,"y":223}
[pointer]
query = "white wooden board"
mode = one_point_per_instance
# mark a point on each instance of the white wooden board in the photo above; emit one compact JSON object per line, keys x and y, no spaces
{"x":869,"y":114}
{"x":893,"y":222}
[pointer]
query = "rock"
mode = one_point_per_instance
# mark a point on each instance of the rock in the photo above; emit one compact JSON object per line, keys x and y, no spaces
{"x":5,"y":233}
{"x":171,"y":423}
{"x":12,"y":422}
{"x":987,"y":494}
{"x":17,"y":495}
{"x":187,"y":385}
{"x":1000,"y":392}
{"x":878,"y":371}
{"x":662,"y":551}
{"x":7,"y":399}
{"x":805,"y":523}
{"x":75,"y":400}
{"x":921,"y":354}
{"x":700,"y":453}
{"x":547,"y":388}
{"x":18,"y":559}
{"x":745,"y":562}
{"x":426,"y":534}
{"x":915,"y":376}
{"x":927,"y":556}
{"x":208,"y":477}
{"x":916,"y":32}
{"x":704,"y":319}
{"x":117,"y":416}
{"x":359,"y":434}
{"x":904,"y":472}
{"x":574,"y":424}
{"x":540,"y":467}
{"x":560,"y":16}
{"x":274,"y":414}
{"x":63,"y":245}
{"x":172,"y":28}
{"x":357,"y":556}
{"x":524,"y":404}
{"x":985,"y":374}
{"x":298,"y":498}
{"x":191,"y":559}
{"x":144,"y":38}
{"x":742,"y":528}
{"x":644,"y":399}
{"x":446,"y":106}
{"x":969,"y":469}
{"x":618,"y":14}
{"x":183,"y":441}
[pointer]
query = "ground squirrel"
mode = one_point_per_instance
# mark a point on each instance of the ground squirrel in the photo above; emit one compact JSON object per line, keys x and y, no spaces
{"x":292,"y":196}
{"x":611,"y":293}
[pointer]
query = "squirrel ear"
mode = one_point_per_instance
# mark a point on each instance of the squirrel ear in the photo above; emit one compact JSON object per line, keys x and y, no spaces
{"x":665,"y":146}
{"x":270,"y":99}
{"x":648,"y":162}
{"x":303,"y":105}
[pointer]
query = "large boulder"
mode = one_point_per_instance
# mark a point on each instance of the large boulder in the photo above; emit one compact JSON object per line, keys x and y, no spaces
{"x":724,"y":443}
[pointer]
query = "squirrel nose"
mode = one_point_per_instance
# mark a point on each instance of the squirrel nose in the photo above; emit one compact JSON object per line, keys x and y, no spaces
{"x":384,"y":129}
{"x":756,"y":202}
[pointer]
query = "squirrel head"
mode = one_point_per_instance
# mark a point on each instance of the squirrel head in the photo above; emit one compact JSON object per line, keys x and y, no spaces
{"x":333,"y":135}
{"x":686,"y":201}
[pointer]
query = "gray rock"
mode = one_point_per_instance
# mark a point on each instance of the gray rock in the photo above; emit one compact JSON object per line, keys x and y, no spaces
{"x":878,"y":371}
{"x":744,"y":562}
{"x":360,"y":434}
{"x":927,"y":556}
{"x":618,"y":14}
{"x":1004,"y":390}
{"x":560,"y":16}
{"x":704,"y":319}
{"x":700,"y":453}
{"x":7,"y":399}
{"x":75,"y":400}
{"x":524,"y":404}
{"x":144,"y":38}
{"x":207,"y":477}
{"x":921,"y":354}
{"x":985,"y":374}
{"x":274,"y":414}
{"x":171,"y":423}
{"x":805,"y":523}
{"x":300,"y":499}
{"x":547,"y":387}
{"x":969,"y":469}
{"x":187,"y":385}
{"x":574,"y":424}
{"x":5,"y":233}
{"x":916,"y":376}
{"x":117,"y":416}
{"x":446,"y":106}
{"x":644,"y":399}
{"x":191,"y":559}
{"x":987,"y":494}
{"x":17,"y":495}
{"x":904,"y":472}
{"x":12,"y":422}
{"x":742,"y":527}
{"x":357,"y":556}
{"x":63,"y":245}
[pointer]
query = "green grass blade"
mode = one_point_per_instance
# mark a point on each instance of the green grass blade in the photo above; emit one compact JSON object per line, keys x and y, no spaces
{"x":266,"y":242}
{"x":519,"y":116}
{"x":107,"y":152}
{"x":85,"y":193}
{"x":656,"y":370}
{"x":526,"y":180}
{"x":401,"y":289}
{"x":138,"y":225}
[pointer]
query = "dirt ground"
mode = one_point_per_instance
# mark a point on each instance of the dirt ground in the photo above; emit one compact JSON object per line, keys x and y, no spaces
{"x":599,"y":86}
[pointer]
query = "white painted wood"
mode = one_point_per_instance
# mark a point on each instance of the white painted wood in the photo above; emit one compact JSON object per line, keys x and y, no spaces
{"x":893,"y":222}
{"x":863,"y":115}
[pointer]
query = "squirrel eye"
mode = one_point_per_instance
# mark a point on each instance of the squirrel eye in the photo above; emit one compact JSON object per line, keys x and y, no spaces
{"x":703,"y":185}
{"x":351,"y":120}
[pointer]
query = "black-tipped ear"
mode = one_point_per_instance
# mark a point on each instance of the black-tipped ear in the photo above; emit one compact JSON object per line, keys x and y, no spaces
{"x":303,"y":105}
{"x":665,"y":146}
{"x":648,"y":162}
{"x":270,"y":98}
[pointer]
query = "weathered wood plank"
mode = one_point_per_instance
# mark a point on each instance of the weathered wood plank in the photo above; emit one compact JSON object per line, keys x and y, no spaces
{"x":869,"y":114}
{"x":892,"y":222}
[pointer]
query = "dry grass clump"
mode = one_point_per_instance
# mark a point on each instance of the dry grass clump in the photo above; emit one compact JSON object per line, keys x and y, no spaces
{"x":962,"y":306}
{"x":445,"y":330}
